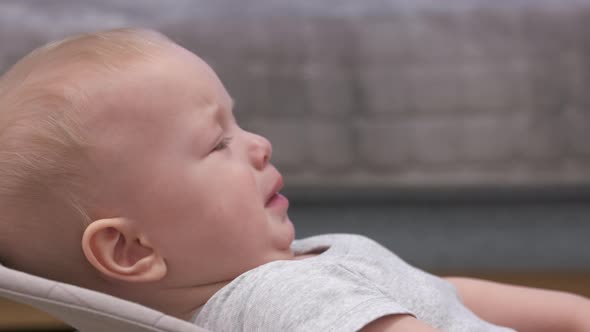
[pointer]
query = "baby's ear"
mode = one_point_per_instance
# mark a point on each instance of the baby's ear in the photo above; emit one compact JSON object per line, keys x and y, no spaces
{"x":115,"y":248}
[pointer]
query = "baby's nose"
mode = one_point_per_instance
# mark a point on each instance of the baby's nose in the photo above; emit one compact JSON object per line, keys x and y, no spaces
{"x":260,"y":151}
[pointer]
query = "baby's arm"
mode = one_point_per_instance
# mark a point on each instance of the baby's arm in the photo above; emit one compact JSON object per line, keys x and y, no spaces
{"x":524,"y":308}
{"x":397,"y":323}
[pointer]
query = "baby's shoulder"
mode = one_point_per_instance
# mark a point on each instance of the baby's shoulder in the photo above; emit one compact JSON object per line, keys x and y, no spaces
{"x":306,"y":288}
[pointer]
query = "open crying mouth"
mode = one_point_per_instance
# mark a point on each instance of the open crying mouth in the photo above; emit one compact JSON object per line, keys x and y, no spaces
{"x":277,"y":201}
{"x":272,"y":198}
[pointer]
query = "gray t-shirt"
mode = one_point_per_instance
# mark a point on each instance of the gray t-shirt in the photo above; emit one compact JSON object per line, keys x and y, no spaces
{"x":350,"y":284}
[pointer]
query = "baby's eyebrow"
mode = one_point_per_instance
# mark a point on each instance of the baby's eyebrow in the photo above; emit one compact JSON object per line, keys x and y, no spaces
{"x":230,"y":108}
{"x":222,"y":112}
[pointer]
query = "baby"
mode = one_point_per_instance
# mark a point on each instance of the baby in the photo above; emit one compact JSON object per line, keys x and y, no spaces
{"x":123,"y":170}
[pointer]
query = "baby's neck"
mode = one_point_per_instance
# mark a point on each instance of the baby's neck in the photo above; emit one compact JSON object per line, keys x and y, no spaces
{"x":190,"y":299}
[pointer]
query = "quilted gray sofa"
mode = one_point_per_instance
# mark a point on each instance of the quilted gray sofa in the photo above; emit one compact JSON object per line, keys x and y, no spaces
{"x":394,"y":94}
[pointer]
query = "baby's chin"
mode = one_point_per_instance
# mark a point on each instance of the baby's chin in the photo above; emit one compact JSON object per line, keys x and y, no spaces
{"x":288,"y":235}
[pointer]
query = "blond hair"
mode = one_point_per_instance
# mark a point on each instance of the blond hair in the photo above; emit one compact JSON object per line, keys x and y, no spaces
{"x":42,"y":144}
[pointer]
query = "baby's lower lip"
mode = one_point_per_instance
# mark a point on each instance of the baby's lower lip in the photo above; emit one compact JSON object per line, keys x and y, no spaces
{"x":278,"y":201}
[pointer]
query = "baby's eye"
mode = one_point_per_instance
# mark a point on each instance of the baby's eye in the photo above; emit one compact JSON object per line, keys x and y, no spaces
{"x":222,"y":144}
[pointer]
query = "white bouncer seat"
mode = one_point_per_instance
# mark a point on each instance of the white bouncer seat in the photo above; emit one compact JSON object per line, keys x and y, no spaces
{"x":86,"y":310}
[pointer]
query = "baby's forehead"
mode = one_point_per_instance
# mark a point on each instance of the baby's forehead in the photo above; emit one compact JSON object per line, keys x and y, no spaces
{"x":167,"y":80}
{"x":161,"y":92}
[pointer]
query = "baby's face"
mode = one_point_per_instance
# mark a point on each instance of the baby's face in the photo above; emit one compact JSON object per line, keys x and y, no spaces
{"x":172,"y":158}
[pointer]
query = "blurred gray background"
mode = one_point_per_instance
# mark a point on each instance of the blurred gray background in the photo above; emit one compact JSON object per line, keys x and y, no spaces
{"x":456,"y":133}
